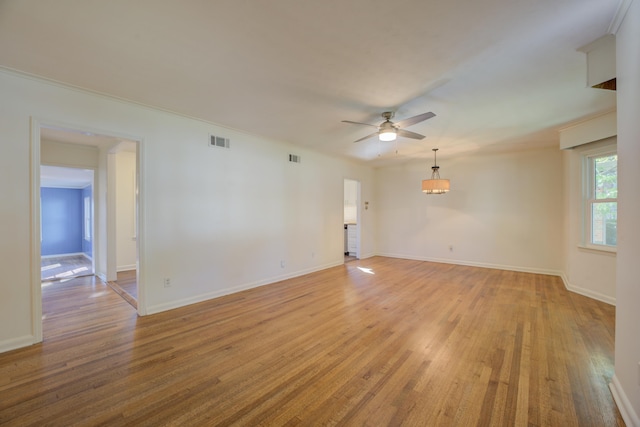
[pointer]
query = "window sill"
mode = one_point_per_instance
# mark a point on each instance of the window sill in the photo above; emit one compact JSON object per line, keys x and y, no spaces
{"x":605,"y":250}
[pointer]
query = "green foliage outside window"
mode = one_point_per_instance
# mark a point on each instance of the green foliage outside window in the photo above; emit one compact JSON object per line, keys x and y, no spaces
{"x":604,"y":205}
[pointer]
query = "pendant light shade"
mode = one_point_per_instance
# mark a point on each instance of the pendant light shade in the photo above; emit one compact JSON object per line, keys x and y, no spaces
{"x":435,"y":185}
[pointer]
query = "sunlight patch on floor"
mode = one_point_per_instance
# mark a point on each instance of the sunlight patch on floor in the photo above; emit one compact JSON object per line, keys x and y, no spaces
{"x":366,"y":270}
{"x":98,"y":294}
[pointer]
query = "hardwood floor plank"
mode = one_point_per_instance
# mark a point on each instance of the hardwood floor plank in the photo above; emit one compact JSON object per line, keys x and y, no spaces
{"x":414,"y":343}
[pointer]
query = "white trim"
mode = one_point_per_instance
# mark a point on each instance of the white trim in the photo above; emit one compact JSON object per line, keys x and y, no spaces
{"x":111,"y":235}
{"x":126,"y":268}
{"x":34,"y":141}
{"x":141,"y":227}
{"x":15,"y":343}
{"x":477,"y":264}
{"x":581,"y":291}
{"x":615,"y":23}
{"x":587,"y":292}
{"x":365,"y":256}
{"x":625,"y":407}
{"x":599,"y":249}
{"x":34,"y":232}
{"x":231,"y":290}
{"x":605,"y":149}
{"x":589,"y":131}
{"x":64,"y":255}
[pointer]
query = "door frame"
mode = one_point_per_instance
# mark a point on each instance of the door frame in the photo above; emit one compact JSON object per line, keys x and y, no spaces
{"x":358,"y":213}
{"x":100,"y":246}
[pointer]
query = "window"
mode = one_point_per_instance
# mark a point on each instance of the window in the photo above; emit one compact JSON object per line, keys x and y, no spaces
{"x":601,"y":207}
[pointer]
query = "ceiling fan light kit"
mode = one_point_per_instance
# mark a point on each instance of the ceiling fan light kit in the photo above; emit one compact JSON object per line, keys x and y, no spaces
{"x":389,"y":131}
{"x":387,"y":134}
{"x":435,"y":185}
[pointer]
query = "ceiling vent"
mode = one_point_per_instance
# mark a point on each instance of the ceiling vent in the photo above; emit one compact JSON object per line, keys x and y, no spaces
{"x":295,"y":158}
{"x":218,"y":141}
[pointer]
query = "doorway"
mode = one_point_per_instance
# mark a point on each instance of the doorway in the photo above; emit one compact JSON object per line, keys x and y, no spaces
{"x":123,"y":167}
{"x":66,"y":218}
{"x":72,"y":147}
{"x":351,"y":220}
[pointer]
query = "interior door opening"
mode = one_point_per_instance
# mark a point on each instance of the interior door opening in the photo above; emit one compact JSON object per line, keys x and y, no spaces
{"x":123,"y":178}
{"x":351,"y":220}
{"x":66,"y":223}
{"x":100,"y":211}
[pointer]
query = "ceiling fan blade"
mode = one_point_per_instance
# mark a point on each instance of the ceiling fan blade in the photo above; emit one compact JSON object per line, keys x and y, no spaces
{"x":407,"y":134}
{"x":358,"y":123}
{"x":367,"y":137}
{"x":413,"y":120}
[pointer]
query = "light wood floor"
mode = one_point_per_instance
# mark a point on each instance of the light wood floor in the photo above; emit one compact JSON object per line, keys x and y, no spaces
{"x":126,"y":285}
{"x":374,"y":342}
{"x":65,"y":267}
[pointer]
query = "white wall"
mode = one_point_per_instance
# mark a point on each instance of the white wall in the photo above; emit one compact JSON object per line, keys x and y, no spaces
{"x":214,"y":220}
{"x":503,"y":210}
{"x":70,"y":155}
{"x":626,"y":386}
{"x":586,"y":271}
{"x":125,"y":169}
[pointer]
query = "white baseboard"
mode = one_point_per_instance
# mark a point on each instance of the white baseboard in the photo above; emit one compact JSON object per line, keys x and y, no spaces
{"x":63,"y":255}
{"x":629,"y":415}
{"x":227,"y":291}
{"x":365,"y":256}
{"x":15,"y":343}
{"x":587,"y":292}
{"x":231,"y":290}
{"x":477,"y":264}
{"x":125,"y":268}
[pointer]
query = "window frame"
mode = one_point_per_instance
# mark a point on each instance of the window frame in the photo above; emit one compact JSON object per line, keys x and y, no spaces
{"x":589,"y":199}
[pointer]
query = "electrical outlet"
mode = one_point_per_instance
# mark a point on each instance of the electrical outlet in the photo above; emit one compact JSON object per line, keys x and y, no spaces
{"x":450,"y":248}
{"x":167,"y":282}
{"x":282,"y":264}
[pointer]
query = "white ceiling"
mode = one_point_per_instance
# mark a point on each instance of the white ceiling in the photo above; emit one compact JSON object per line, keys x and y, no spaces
{"x":59,"y":177}
{"x":495,"y":72}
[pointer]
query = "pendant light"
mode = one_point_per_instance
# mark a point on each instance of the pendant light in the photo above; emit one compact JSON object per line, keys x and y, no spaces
{"x":435,"y":185}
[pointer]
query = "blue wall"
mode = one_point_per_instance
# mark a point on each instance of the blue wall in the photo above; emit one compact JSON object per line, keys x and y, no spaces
{"x":62,"y":220}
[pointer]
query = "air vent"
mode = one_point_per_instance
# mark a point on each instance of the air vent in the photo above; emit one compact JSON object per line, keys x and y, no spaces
{"x":294,"y":158}
{"x":218,"y":141}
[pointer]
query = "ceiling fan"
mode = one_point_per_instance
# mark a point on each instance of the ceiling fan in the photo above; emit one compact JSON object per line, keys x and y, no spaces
{"x":388,"y":130}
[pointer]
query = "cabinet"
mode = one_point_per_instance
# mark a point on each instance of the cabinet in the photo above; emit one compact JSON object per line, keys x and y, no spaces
{"x":352,"y":239}
{"x":346,"y":240}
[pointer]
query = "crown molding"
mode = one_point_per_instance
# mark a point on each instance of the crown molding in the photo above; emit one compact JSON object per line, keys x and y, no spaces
{"x":623,"y":7}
